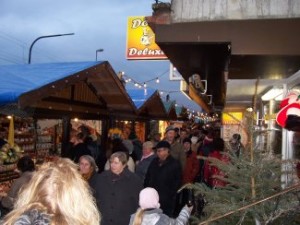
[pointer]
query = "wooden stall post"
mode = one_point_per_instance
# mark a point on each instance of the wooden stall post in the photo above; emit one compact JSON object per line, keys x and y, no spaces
{"x":66,"y":126}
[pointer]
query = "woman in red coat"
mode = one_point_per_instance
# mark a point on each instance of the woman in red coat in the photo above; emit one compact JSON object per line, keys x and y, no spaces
{"x":211,"y":173}
{"x":191,"y":168}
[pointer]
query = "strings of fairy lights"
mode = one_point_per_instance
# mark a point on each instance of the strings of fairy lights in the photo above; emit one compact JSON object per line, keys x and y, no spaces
{"x":145,"y":84}
{"x":127,"y":79}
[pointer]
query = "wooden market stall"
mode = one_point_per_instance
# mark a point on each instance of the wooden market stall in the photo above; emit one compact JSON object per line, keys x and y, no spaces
{"x":151,"y":109}
{"x":59,"y":91}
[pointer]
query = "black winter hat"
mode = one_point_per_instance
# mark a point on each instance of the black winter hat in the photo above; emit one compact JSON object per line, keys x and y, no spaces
{"x":163,"y":144}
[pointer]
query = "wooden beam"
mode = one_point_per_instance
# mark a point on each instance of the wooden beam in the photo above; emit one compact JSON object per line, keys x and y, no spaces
{"x":198,"y":99}
{"x":246,"y":37}
{"x":54,"y":100}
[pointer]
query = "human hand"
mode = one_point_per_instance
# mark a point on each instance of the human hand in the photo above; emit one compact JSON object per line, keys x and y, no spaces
{"x":190,"y":208}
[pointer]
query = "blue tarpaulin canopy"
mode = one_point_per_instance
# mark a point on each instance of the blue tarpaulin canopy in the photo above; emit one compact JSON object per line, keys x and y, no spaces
{"x":149,"y":103}
{"x":16,"y":80}
{"x":169,"y":105}
{"x":140,"y":96}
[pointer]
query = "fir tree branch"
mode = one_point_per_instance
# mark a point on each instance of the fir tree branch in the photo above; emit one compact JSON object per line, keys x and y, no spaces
{"x":242,"y":218}
{"x":277,"y":214}
{"x":292,"y":188}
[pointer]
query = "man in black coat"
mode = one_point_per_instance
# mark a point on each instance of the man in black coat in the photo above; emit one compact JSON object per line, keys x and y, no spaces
{"x":164,"y":175}
{"x":79,"y":147}
{"x":117,"y":192}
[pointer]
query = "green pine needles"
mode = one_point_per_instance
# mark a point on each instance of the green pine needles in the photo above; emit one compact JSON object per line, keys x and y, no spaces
{"x":254,"y":193}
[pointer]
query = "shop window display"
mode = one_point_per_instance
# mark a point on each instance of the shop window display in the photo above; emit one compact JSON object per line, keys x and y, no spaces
{"x":25,"y":138}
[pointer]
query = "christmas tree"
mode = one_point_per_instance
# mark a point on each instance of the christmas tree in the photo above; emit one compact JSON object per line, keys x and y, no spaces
{"x":254,"y":193}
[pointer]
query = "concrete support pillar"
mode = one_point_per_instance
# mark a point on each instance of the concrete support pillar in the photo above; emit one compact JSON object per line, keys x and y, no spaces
{"x":271,"y":126}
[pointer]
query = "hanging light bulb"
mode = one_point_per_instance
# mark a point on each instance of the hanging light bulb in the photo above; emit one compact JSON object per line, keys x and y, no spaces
{"x":161,"y":93}
{"x":145,"y":85}
{"x":121,"y":74}
{"x":157,"y":80}
{"x":129,"y":79}
{"x":136,"y":84}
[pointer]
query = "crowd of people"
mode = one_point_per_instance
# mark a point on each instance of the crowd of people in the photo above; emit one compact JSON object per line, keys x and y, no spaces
{"x":136,"y":184}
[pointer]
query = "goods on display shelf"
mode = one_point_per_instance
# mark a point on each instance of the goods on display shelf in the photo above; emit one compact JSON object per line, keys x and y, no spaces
{"x":44,"y":145}
{"x":25,"y":140}
{"x":8,"y":174}
{"x":5,"y":185}
{"x":48,"y":141}
{"x":123,"y":129}
{"x":23,"y":130}
{"x":16,"y":141}
{"x":8,"y":167}
{"x":38,"y":143}
{"x":10,"y":150}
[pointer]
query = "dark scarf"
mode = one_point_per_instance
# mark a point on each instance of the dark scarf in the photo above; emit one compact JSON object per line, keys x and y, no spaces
{"x":33,"y":217}
{"x":188,"y":153}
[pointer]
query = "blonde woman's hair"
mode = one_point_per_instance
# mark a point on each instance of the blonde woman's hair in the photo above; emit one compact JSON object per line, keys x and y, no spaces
{"x":138,"y":218}
{"x":58,"y":190}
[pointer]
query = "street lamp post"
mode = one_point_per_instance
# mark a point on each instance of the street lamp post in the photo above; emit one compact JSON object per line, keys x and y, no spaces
{"x":98,"y":50}
{"x":47,"y":36}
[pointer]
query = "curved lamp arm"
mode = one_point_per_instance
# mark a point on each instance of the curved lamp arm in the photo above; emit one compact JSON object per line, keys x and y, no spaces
{"x":47,"y":36}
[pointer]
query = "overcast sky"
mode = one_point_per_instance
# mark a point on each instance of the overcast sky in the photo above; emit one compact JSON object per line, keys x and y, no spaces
{"x":96,"y":24}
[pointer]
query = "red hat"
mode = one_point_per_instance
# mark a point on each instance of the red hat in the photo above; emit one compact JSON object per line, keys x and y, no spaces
{"x":292,"y":109}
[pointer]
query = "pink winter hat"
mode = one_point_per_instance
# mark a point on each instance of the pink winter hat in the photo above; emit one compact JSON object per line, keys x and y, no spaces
{"x":149,"y":198}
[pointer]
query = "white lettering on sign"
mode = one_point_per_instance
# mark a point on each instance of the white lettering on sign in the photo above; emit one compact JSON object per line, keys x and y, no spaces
{"x":138,"y":22}
{"x":146,"y":51}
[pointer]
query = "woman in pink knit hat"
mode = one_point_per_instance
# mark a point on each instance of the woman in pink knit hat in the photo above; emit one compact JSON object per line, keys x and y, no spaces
{"x":150,"y":213}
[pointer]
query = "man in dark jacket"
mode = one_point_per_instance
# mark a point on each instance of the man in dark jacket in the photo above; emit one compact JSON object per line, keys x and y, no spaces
{"x":164,"y":175}
{"x":176,"y":149}
{"x":117,"y":191}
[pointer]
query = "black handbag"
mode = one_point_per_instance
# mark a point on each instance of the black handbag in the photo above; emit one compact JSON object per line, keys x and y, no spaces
{"x":186,"y":196}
